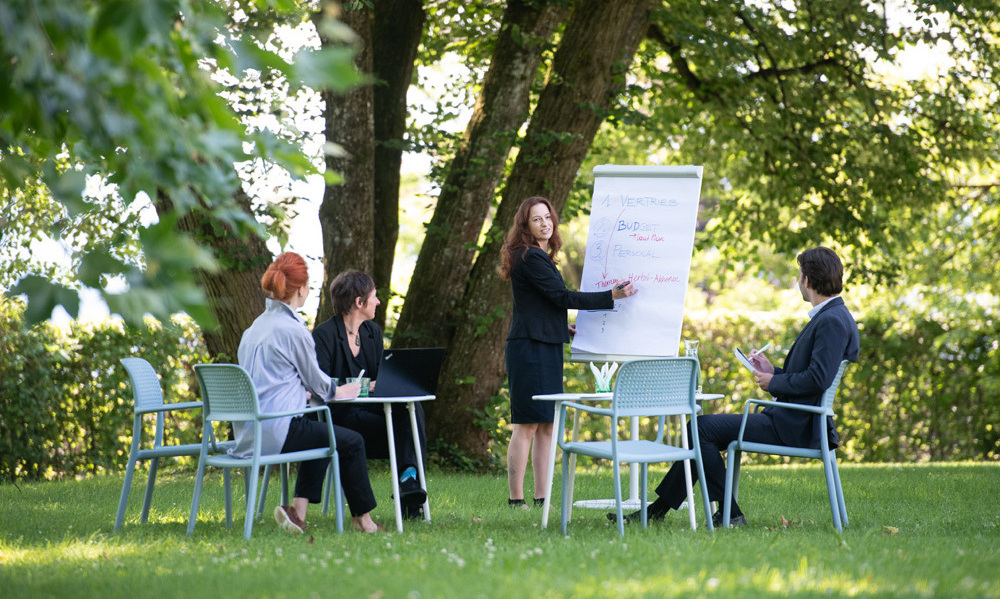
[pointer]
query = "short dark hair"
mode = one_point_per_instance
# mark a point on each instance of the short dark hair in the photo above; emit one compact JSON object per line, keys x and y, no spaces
{"x":824,"y":270}
{"x":348,"y":286}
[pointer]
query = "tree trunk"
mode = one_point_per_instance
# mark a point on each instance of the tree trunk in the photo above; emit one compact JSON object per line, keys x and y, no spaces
{"x":396,"y":32}
{"x":589,"y":67}
{"x":446,"y":255}
{"x":346,"y":215}
{"x":234,"y":293}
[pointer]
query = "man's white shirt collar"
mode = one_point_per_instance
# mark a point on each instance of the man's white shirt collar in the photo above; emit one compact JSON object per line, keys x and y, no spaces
{"x":815,"y":310}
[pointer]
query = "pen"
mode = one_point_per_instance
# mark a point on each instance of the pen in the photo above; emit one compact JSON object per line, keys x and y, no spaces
{"x":622,"y":285}
{"x":763,"y":349}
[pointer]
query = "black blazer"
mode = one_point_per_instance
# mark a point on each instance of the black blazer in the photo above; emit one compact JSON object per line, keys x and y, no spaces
{"x":810,"y":367}
{"x":541,"y":299}
{"x":333,"y":351}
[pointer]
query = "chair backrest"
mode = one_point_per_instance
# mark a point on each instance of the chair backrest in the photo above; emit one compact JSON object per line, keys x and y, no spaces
{"x":146,"y":391}
{"x":656,"y":387}
{"x":831,"y":392}
{"x":227,"y":393}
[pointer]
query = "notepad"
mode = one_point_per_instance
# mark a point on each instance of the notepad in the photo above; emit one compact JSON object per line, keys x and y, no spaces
{"x":743,"y":359}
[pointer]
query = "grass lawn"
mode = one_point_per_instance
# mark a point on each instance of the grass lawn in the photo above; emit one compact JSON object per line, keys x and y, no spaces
{"x":915,"y":531}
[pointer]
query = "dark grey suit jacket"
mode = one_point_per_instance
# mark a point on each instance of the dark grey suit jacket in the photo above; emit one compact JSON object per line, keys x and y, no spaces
{"x":333,"y":351}
{"x":810,"y":367}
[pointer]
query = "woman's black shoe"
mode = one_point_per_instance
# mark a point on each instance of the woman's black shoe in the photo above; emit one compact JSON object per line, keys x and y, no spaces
{"x":539,"y":501}
{"x":515,"y":502}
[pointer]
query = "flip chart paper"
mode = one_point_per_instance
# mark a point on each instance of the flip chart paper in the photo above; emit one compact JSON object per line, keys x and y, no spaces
{"x":642,"y":224}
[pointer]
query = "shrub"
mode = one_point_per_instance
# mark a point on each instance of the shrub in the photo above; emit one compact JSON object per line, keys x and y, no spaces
{"x":65,"y":402}
{"x":927,"y":387}
{"x":924,"y":388}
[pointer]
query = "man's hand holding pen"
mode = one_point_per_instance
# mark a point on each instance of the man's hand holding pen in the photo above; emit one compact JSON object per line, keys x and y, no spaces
{"x":763,"y":369}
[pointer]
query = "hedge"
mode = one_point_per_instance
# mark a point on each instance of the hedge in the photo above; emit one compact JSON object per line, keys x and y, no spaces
{"x":924,"y":388}
{"x":927,"y":387}
{"x":65,"y":402}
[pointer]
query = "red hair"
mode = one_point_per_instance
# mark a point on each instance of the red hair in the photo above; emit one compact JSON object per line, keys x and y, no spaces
{"x":519,"y":237}
{"x":286,"y":275}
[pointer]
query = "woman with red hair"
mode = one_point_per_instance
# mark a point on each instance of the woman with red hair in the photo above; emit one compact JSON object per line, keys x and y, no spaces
{"x":534,"y":352}
{"x":278,"y":353}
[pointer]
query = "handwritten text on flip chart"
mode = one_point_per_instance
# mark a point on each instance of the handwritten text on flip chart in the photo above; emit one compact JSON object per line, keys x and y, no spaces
{"x":642,"y":231}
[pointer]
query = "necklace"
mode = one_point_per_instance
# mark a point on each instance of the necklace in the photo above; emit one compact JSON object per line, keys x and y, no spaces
{"x":357,"y":337}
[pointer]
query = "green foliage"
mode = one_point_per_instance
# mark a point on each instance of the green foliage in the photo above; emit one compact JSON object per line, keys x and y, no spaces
{"x":926,"y":386}
{"x":128,"y":93}
{"x":810,"y":130}
{"x":65,"y":401}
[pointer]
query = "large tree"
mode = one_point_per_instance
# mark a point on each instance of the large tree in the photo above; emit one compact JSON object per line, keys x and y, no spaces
{"x":807,"y":133}
{"x":588,"y":71}
{"x":805,"y":138}
{"x":450,"y":246}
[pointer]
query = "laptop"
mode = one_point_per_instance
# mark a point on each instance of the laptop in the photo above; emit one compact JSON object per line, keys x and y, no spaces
{"x":408,"y":372}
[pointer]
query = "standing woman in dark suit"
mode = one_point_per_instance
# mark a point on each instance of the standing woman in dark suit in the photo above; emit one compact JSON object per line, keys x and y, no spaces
{"x":534,"y":352}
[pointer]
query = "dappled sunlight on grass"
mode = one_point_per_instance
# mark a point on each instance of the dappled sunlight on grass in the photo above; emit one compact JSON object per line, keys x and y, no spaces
{"x":69,"y":551}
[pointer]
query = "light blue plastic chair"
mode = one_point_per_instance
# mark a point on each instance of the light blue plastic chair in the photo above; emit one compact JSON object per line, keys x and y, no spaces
{"x":283,"y":473}
{"x":824,"y":453}
{"x":229,"y":395}
{"x":655,"y":388}
{"x":148,"y":399}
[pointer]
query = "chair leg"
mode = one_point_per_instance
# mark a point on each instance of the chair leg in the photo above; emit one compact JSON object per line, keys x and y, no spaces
{"x":732,"y":477}
{"x":147,"y":499}
{"x":689,"y":488}
{"x":126,"y":487}
{"x":567,"y":486}
{"x":831,"y":490}
{"x":704,"y":491}
{"x":643,"y":491}
{"x":327,"y":488}
{"x":251,"y":501}
{"x":840,"y":489}
{"x":618,"y":498}
{"x":263,"y":491}
{"x":338,"y":492}
{"x":198,"y":480}
{"x":227,"y":484}
{"x":284,"y":484}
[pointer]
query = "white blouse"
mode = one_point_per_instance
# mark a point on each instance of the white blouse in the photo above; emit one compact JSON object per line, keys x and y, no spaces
{"x":278,"y":352}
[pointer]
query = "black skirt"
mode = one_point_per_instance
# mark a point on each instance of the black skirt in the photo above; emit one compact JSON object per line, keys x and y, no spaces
{"x":533,"y":368}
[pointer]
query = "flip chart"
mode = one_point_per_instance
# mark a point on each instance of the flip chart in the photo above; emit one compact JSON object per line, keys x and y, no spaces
{"x":642,"y":224}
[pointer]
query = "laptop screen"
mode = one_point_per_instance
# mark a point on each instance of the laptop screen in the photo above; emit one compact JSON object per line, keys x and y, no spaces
{"x":408,"y":372}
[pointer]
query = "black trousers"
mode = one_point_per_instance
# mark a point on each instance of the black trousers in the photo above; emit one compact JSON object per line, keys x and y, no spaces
{"x":306,"y":433}
{"x":369,"y":421}
{"x":715,"y":433}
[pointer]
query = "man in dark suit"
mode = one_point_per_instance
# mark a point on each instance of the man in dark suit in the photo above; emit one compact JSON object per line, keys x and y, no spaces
{"x":810,"y":367}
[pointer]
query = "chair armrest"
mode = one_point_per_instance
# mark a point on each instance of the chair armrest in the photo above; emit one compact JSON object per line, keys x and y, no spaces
{"x":184,"y":405}
{"x":270,"y":415}
{"x":761,"y":403}
{"x":791,"y":406}
{"x":586,"y":408}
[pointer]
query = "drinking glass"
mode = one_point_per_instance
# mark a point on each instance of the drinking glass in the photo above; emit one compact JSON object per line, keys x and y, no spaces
{"x":691,"y":349}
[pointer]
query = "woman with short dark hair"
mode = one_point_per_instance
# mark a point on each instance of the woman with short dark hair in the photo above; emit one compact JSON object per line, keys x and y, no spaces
{"x":348,"y":343}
